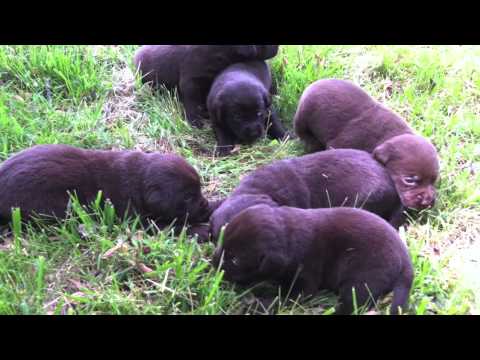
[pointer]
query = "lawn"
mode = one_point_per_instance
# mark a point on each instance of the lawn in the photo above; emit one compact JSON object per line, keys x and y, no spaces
{"x":96,"y":263}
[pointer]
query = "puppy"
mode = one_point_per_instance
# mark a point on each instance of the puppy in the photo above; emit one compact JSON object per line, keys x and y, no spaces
{"x":333,"y":178}
{"x":336,"y":249}
{"x":239,"y":104}
{"x":192,"y":68}
{"x":338,"y":114}
{"x":157,"y":187}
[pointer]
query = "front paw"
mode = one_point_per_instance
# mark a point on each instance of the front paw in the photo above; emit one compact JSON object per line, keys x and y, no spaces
{"x":202,"y":112}
{"x":195,"y":122}
{"x":223,"y":150}
{"x":215,"y":204}
{"x":202,"y":231}
{"x":282,"y":135}
{"x":289,"y":135}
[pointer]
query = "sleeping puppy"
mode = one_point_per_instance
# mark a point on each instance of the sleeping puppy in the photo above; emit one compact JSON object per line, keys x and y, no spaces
{"x":344,"y":177}
{"x":338,"y":114}
{"x":335,"y":249}
{"x":155,"y":186}
{"x":192,"y":68}
{"x":239,"y":104}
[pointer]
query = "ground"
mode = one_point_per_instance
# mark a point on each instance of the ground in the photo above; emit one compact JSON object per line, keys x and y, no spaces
{"x":89,"y":96}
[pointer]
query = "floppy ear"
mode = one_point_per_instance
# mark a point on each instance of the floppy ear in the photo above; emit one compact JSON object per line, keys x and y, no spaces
{"x":272,"y":264}
{"x":267,"y":51}
{"x":248,"y":52}
{"x":267,"y":100}
{"x":382,"y":153}
{"x":215,"y":110}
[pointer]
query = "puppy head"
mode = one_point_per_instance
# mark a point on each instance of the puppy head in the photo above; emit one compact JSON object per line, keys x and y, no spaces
{"x":244,"y":52}
{"x":244,"y":110}
{"x":265,"y":52}
{"x":172,"y":190}
{"x":254,"y":248}
{"x":412,"y":163}
{"x":255,"y":52}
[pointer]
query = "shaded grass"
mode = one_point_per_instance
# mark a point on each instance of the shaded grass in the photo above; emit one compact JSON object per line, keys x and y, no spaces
{"x":97,"y":264}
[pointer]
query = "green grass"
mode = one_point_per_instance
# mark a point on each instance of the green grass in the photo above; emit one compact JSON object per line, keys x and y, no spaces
{"x":96,"y":263}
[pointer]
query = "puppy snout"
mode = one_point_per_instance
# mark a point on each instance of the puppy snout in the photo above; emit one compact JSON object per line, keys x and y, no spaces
{"x":254,"y":131}
{"x":426,"y":200}
{"x":204,"y":204}
{"x":429,"y":201}
{"x":216,"y":258}
{"x":204,"y":211}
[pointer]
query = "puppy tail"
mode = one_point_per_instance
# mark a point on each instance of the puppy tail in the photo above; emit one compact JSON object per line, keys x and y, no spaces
{"x":401,"y":291}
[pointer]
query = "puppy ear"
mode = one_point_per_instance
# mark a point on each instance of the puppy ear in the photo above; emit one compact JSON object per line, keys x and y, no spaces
{"x":272,"y":264}
{"x":267,"y":51}
{"x":248,"y":52}
{"x":218,"y":114}
{"x":216,"y":110}
{"x":382,"y":153}
{"x":267,"y":100}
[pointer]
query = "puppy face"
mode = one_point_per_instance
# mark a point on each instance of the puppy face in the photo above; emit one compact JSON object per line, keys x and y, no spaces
{"x":244,"y":111}
{"x":253,"y":250}
{"x":244,"y":52}
{"x":265,"y":52}
{"x":412,"y":162}
{"x":173,"y":191}
{"x":251,"y":52}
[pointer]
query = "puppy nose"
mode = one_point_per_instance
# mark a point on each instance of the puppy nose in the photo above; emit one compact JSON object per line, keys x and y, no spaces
{"x":254,"y":131}
{"x":430,"y":201}
{"x":426,"y":200}
{"x":216,"y":258}
{"x":204,"y":210}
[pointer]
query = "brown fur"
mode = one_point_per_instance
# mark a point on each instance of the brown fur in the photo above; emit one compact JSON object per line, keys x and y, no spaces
{"x":158,"y":187}
{"x":336,"y":249}
{"x":338,"y":114}
{"x":343,"y":177}
{"x":192,"y":69}
{"x":240,"y":106}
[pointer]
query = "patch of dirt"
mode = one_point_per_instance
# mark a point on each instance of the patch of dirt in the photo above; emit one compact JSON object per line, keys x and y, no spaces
{"x":121,"y":106}
{"x":460,"y":245}
{"x":465,"y":249}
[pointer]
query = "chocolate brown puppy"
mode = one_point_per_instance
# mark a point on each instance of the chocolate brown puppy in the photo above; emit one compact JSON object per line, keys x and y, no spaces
{"x":339,"y":114}
{"x":192,"y":68}
{"x":344,"y":177}
{"x":239,"y":104}
{"x":336,"y":249}
{"x":158,"y":187}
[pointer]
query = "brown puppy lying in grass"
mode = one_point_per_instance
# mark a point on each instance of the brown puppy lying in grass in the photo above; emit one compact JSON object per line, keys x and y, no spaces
{"x":307,"y":250}
{"x":158,"y":187}
{"x":192,"y":68}
{"x":333,"y":178}
{"x":338,"y":114}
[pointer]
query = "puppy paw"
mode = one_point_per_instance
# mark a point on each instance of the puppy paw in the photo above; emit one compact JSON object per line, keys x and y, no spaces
{"x":202,"y":231}
{"x":202,"y":112}
{"x":289,"y":136}
{"x":196,"y":118}
{"x":223,"y":150}
{"x":214,"y":205}
{"x":196,"y":123}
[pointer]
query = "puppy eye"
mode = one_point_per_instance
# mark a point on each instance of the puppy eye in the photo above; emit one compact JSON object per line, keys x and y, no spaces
{"x":259,"y":114}
{"x":411,"y":180}
{"x":234,"y":261}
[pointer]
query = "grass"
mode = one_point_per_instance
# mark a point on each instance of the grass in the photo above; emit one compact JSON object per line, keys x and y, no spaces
{"x":96,"y":263}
